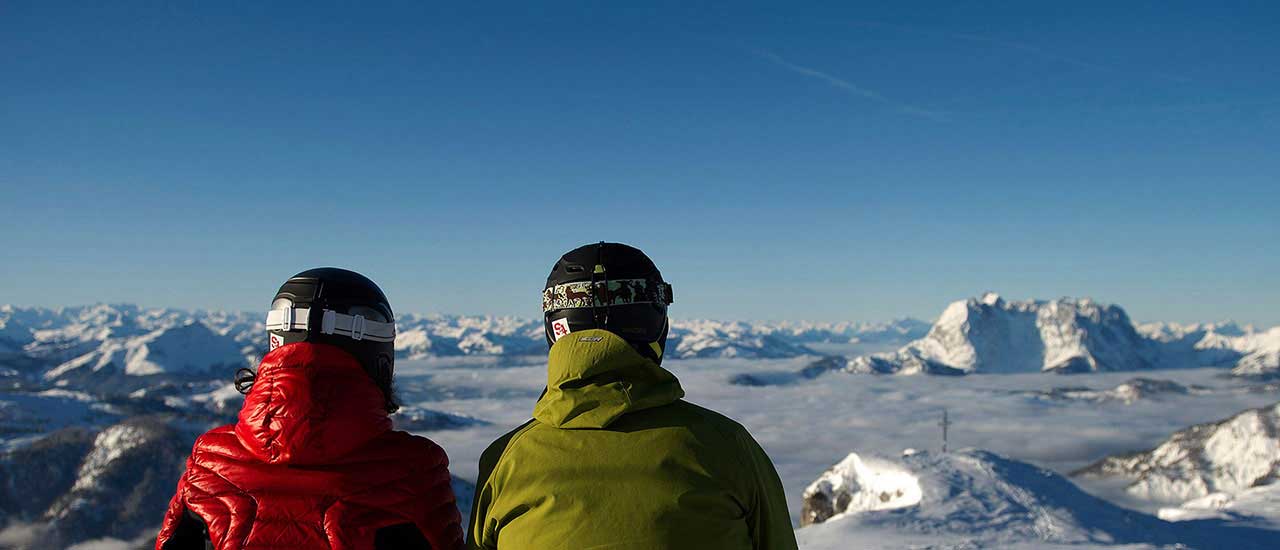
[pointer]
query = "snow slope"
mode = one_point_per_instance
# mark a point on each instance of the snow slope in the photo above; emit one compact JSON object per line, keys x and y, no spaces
{"x":1262,"y":354}
{"x":1258,"y":505}
{"x":1229,"y":456}
{"x":976,"y":499}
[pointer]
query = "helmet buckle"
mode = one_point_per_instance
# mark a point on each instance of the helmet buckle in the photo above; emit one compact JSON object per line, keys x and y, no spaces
{"x":329,"y":322}
{"x":357,"y":327}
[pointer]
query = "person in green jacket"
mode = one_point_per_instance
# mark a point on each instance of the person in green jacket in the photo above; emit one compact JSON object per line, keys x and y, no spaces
{"x":614,"y":458}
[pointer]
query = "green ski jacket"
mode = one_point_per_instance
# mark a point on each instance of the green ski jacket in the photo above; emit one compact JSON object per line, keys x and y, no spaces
{"x":614,"y":459}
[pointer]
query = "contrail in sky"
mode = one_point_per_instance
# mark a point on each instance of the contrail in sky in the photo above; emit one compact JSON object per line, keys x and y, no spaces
{"x":846,"y":85}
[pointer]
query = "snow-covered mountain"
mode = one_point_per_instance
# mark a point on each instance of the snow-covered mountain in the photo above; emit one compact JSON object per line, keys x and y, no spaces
{"x":1229,"y":456}
{"x":977,"y":499}
{"x":450,"y":335}
{"x":992,"y":335}
{"x":190,"y":348}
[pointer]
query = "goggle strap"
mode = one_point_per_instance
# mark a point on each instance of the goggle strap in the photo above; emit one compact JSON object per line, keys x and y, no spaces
{"x":355,"y":327}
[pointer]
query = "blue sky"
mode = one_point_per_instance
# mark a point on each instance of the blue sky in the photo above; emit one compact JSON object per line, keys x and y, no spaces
{"x":778,"y":162}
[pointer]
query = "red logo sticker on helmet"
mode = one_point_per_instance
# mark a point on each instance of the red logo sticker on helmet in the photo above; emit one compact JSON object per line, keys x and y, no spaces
{"x":559,"y":328}
{"x":276,"y":341}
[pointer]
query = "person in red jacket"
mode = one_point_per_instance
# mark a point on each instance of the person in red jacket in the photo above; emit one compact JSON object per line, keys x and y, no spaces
{"x":312,"y":461}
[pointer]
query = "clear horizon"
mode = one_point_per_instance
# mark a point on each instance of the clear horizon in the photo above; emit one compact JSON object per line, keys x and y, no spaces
{"x":849,"y":163}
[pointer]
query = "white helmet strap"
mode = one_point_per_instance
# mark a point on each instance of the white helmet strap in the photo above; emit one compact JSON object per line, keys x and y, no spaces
{"x":355,"y":327}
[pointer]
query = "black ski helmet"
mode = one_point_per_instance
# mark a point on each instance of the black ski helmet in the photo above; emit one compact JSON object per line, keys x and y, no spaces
{"x":608,"y":286}
{"x":342,"y":308}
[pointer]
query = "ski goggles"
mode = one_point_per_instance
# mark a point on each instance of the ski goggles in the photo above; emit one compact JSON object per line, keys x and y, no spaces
{"x":592,"y":294}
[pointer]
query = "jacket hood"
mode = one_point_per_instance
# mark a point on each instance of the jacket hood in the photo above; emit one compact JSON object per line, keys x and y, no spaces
{"x":594,"y":377}
{"x":310,"y":403}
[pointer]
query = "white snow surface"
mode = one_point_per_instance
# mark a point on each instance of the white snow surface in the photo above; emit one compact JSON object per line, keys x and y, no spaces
{"x":1257,"y":505}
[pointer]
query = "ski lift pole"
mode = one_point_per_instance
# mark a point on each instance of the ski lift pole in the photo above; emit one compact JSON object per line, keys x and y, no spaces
{"x":946,"y":424}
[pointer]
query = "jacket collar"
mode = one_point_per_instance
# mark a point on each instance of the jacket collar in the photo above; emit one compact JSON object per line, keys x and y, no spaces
{"x":594,"y":377}
{"x":310,"y":403}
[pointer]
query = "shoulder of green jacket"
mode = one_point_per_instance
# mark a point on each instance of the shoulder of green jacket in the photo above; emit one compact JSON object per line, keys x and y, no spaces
{"x":489,"y":460}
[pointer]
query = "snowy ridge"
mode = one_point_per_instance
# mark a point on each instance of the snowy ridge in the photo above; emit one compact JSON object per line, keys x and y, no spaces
{"x":191,"y":348}
{"x":1221,"y":457}
{"x":975,"y":499}
{"x":143,"y":342}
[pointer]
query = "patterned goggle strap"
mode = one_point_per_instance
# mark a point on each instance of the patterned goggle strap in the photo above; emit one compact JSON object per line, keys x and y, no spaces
{"x":585,"y":294}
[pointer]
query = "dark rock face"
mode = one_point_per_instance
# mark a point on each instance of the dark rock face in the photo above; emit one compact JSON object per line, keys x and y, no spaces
{"x":819,"y":507}
{"x":78,"y":485}
{"x":33,"y":476}
{"x":123,"y":483}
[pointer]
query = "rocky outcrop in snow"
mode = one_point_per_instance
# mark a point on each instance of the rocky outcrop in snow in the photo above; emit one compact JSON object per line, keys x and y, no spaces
{"x":1221,"y":457}
{"x":1128,"y":392}
{"x":419,"y":419}
{"x":858,"y":484}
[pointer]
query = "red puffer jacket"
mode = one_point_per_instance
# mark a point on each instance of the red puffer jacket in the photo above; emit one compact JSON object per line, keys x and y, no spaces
{"x":313,"y":463}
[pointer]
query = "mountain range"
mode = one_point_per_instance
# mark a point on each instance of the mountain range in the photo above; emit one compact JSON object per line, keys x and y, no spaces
{"x":100,"y":341}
